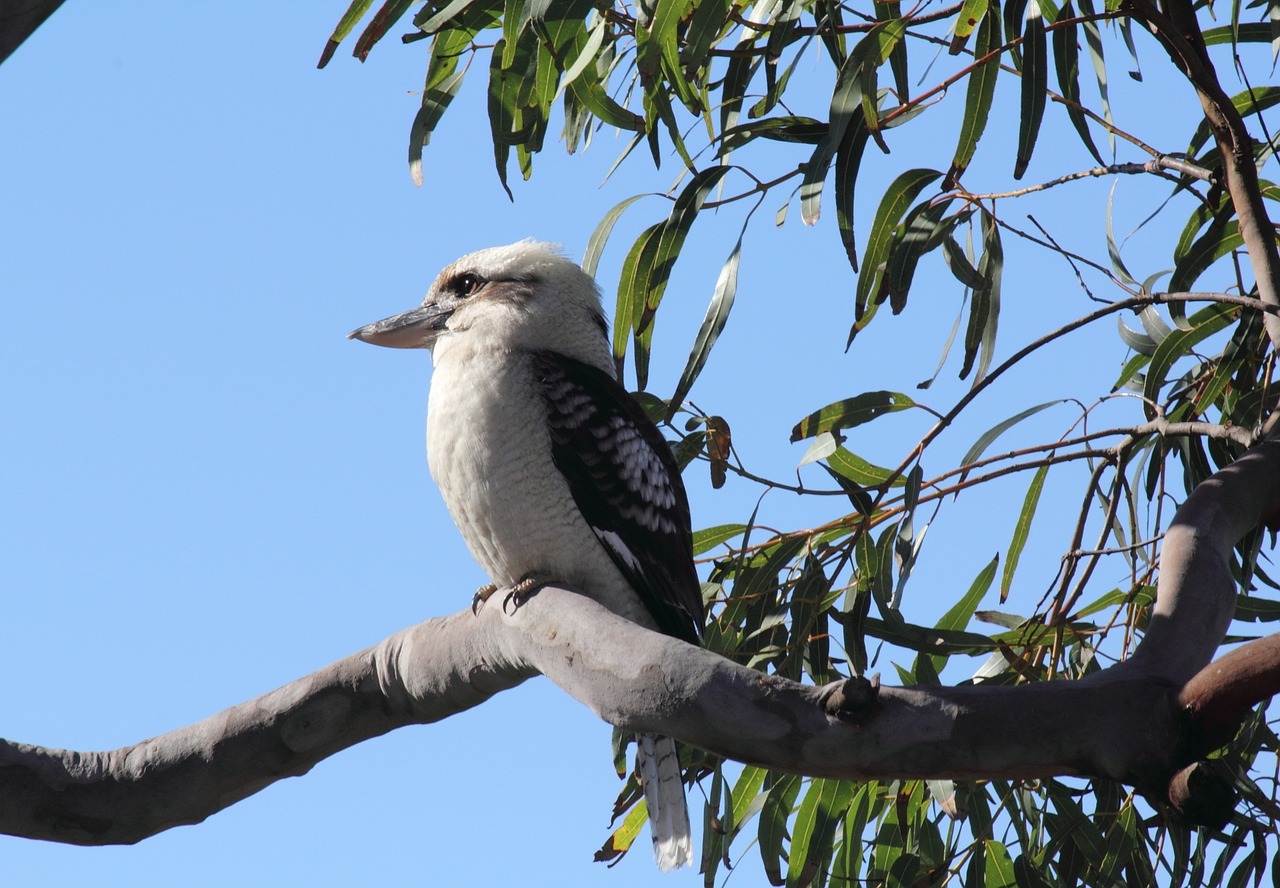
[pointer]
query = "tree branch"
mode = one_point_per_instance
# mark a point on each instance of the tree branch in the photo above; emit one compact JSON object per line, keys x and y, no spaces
{"x":1125,"y":723}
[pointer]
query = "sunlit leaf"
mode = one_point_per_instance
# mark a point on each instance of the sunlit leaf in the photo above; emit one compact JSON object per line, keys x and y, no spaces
{"x":354,"y":13}
{"x":600,"y":236}
{"x":709,"y":537}
{"x":850,"y":412}
{"x":383,"y":20}
{"x":859,"y":471}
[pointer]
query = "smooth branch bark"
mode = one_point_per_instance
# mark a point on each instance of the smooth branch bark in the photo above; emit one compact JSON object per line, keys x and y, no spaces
{"x":1140,"y":721}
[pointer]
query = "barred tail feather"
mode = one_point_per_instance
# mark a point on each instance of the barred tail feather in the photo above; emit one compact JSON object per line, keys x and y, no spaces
{"x":658,"y":764}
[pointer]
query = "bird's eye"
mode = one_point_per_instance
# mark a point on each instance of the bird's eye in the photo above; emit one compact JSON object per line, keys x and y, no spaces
{"x":466,"y":284}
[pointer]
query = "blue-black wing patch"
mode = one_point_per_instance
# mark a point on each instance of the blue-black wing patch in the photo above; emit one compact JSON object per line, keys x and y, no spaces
{"x":627,"y":485}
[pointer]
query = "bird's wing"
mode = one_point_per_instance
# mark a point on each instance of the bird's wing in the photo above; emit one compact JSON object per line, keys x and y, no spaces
{"x":627,"y":486}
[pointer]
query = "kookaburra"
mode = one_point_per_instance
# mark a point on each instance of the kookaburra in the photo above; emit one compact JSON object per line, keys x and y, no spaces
{"x":549,"y":467}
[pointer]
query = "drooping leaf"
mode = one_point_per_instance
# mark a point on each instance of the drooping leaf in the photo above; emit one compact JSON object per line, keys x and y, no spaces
{"x":1093,"y":42}
{"x":354,"y":13}
{"x":1035,"y":85}
{"x":779,"y":799}
{"x":979,"y":95}
{"x":898,"y":198}
{"x":923,"y":230}
{"x":1201,"y":325}
{"x":987,"y":438}
{"x":847,"y":162}
{"x":855,"y":86}
{"x":1066,"y":60}
{"x":813,"y":832}
{"x":1021,"y":529}
{"x":600,"y":236}
{"x":383,"y":20}
{"x":984,"y":310}
{"x":712,"y":324}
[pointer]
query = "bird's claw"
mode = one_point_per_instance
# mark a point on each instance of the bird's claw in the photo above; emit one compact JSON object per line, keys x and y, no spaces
{"x":524,"y":590}
{"x":521,"y":592}
{"x":482,"y":595}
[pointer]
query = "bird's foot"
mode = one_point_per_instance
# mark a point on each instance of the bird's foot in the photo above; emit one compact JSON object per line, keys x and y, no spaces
{"x":522,"y":591}
{"x":482,"y":595}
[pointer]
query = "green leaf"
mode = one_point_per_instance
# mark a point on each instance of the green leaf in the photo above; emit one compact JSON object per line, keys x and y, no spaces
{"x":1035,"y":86}
{"x":647,"y":270}
{"x":636,"y":270}
{"x":1216,"y":243}
{"x":354,"y":13}
{"x":788,"y":128}
{"x":854,"y":89}
{"x":1139,"y":342}
{"x":710,"y":20}
{"x":848,"y":160}
{"x":899,"y":197}
{"x":1093,"y":41}
{"x":712,"y":325}
{"x":1248,"y":32}
{"x":988,"y":437}
{"x":600,"y":236}
{"x":963,"y":271}
{"x":984,"y":310}
{"x":443,"y":74}
{"x":921,"y":232}
{"x":1250,"y":101}
{"x":383,"y":20}
{"x":998,"y":868}
{"x":1202,"y":324}
{"x":850,"y":412}
{"x":972,"y":12}
{"x":779,"y":799}
{"x":619,"y":842}
{"x":859,"y":471}
{"x":980,"y":92}
{"x":813,"y":833}
{"x":957,"y":617}
{"x":1066,"y":60}
{"x":709,"y":537}
{"x":1021,"y":530}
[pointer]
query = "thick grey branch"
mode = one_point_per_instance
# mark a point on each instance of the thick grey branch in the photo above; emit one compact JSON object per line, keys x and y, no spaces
{"x":419,"y":675}
{"x":1123,"y":723}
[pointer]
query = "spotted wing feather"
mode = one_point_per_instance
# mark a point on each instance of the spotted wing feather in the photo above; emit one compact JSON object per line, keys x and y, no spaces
{"x":627,"y":485}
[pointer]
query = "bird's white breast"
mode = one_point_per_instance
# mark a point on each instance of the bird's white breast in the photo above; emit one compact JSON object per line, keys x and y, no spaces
{"x":489,"y":451}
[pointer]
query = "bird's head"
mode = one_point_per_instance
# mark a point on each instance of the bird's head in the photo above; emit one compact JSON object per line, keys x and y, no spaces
{"x":521,"y":296}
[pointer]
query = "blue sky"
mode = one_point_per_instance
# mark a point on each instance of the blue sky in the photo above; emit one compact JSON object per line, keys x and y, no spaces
{"x":210,"y":492}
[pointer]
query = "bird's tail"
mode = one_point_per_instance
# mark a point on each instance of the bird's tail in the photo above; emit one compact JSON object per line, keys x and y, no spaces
{"x":658,"y":764}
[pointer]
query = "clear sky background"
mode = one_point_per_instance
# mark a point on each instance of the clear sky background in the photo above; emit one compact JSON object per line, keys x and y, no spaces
{"x":209,"y":492}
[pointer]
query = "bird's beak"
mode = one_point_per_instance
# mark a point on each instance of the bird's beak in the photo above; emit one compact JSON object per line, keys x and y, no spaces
{"x":416,"y":328}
